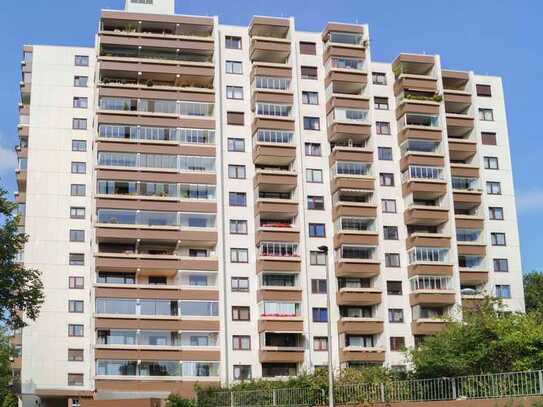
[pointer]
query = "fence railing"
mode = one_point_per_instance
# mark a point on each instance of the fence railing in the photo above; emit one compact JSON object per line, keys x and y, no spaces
{"x":513,"y":384}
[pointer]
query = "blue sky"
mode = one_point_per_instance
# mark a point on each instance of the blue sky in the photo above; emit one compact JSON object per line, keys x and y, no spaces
{"x":495,"y":37}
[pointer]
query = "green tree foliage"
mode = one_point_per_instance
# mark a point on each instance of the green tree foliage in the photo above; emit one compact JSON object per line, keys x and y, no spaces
{"x":6,"y":352}
{"x":10,"y":401}
{"x":487,"y":341}
{"x":21,"y":290}
{"x":533,"y":291}
{"x":177,"y":401}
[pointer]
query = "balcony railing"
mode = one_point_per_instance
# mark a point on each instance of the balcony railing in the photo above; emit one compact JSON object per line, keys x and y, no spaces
{"x":155,"y":54}
{"x":355,"y":224}
{"x":150,"y":218}
{"x":348,"y":115}
{"x":351,"y":168}
{"x":180,"y":108}
{"x":179,"y":135}
{"x":469,"y":235}
{"x":353,"y":197}
{"x":471,"y":262}
{"x":164,"y":161}
{"x":422,"y":120}
{"x":420,"y":146}
{"x":274,"y":110}
{"x":345,"y":38}
{"x":155,"y":307}
{"x":430,"y":283}
{"x":156,"y":189}
{"x":278,"y":249}
{"x":352,"y":252}
{"x":274,"y":136}
{"x":427,"y":254}
{"x":279,"y":309}
{"x":466,"y":183}
{"x":418,"y":172}
{"x":271,"y":83}
{"x":352,"y":64}
{"x":140,"y":368}
{"x":156,"y":338}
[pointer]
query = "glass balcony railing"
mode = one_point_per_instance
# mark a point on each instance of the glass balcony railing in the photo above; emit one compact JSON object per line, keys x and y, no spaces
{"x":465,"y":183}
{"x":353,"y":64}
{"x":179,"y":135}
{"x":430,"y":283}
{"x":427,"y":254}
{"x":352,"y":252}
{"x":471,"y":262}
{"x":150,"y":218}
{"x":352,"y":168}
{"x":419,"y":146}
{"x":417,"y":172}
{"x":180,"y":108}
{"x":274,"y":136}
{"x":271,"y":109}
{"x":423,"y":120}
{"x":156,"y":189}
{"x":272,"y":83}
{"x":278,"y":249}
{"x":279,"y":309}
{"x":355,"y":224}
{"x":106,"y":367}
{"x":163,"y":161}
{"x":345,"y":38}
{"x":347,"y":115}
{"x":468,"y":235}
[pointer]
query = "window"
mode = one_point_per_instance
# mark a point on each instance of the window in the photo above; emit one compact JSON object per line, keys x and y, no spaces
{"x":382,"y":128}
{"x":81,"y":81}
{"x":239,"y":255}
{"x":77,"y":259}
{"x":75,"y":355}
{"x":235,"y":118}
{"x":483,"y":90}
{"x":397,"y":343}
{"x":81,"y":102}
{"x":79,"y":145}
{"x":493,"y":188}
{"x":503,"y":291}
{"x":394,"y":287}
{"x":241,"y":342}
{"x":242,"y":372}
{"x":308,"y":48}
{"x":75,"y":379}
{"x":240,"y":284}
{"x":488,"y":139}
{"x":501,"y":265}
{"x":318,"y":286}
{"x":395,"y":315}
{"x":309,"y":72}
{"x":385,"y":153}
{"x":81,"y":60}
{"x":75,"y":306}
{"x":497,"y":239}
{"x":320,"y":315}
{"x":313,"y":175}
{"x":392,"y":260}
{"x":75,"y":330}
{"x":491,"y":163}
{"x":379,"y":78}
{"x":310,"y":98}
{"x":315,"y":202}
{"x":236,"y":145}
{"x":486,"y":115}
{"x":386,"y":179}
{"x":234,"y":92}
{"x":388,"y":205}
{"x":237,"y":198}
{"x":380,"y":103}
{"x":234,"y":67}
{"x":79,"y":168}
{"x":79,"y":124}
{"x":311,"y":123}
{"x":390,"y":232}
{"x":77,"y":235}
{"x":76,"y":283}
{"x":495,"y":213}
{"x":317,"y":258}
{"x":236,"y":171}
{"x":320,"y":343}
{"x":77,"y":190}
{"x":313,"y":149}
{"x":241,"y":313}
{"x":238,"y":227}
{"x":317,"y":230}
{"x":77,"y":212}
{"x":232,"y":42}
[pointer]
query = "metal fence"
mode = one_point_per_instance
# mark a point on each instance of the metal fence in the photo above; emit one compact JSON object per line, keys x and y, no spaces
{"x":514,"y":384}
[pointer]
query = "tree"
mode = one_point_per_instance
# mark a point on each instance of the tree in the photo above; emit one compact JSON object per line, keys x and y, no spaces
{"x":6,"y":352}
{"x":533,"y":291}
{"x":10,"y":401}
{"x":21,"y":290}
{"x":177,"y":401}
{"x":488,"y":340}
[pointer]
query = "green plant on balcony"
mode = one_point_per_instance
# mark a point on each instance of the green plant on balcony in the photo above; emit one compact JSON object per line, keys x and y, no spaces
{"x":397,"y":70}
{"x":150,"y":83}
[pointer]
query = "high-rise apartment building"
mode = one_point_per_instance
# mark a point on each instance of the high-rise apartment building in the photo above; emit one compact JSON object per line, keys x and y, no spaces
{"x":203,"y":198}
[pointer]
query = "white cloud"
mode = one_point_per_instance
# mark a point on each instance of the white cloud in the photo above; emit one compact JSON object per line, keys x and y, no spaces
{"x":8,"y":159}
{"x":530,"y":200}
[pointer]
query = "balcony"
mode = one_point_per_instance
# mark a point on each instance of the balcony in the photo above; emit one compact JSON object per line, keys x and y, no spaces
{"x":348,"y":123}
{"x":466,"y":190}
{"x":424,"y":103}
{"x":279,"y":293}
{"x":429,"y":319}
{"x":423,"y":239}
{"x":281,"y":347}
{"x":462,"y":150}
{"x":358,"y":296}
{"x":351,"y":175}
{"x":156,"y":107}
{"x":473,"y":269}
{"x":459,"y":125}
{"x":355,"y":231}
{"x":427,"y":326}
{"x":341,"y":153}
{"x":278,"y":256}
{"x":354,"y":203}
{"x":273,"y":147}
{"x":270,"y":49}
{"x":356,"y":261}
{"x":431,"y":291}
{"x":470,"y":242}
{"x":129,"y":49}
{"x":274,"y":180}
{"x":425,"y":181}
{"x":414,"y":72}
{"x":365,"y":355}
{"x":269,"y":27}
{"x":276,"y":229}
{"x":455,"y":81}
{"x":360,"y":326}
{"x":421,"y":212}
{"x":429,"y":261}
{"x":419,"y":126}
